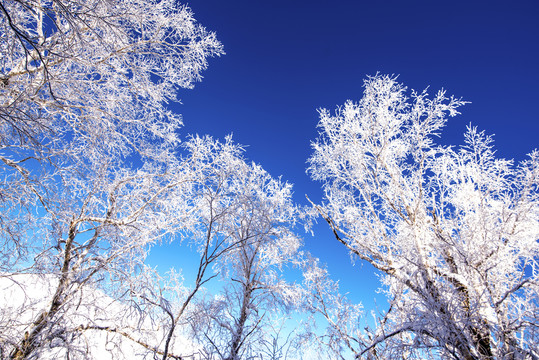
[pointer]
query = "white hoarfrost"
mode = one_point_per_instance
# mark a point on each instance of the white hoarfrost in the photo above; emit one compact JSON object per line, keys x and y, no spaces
{"x":89,"y":173}
{"x":454,"y":230}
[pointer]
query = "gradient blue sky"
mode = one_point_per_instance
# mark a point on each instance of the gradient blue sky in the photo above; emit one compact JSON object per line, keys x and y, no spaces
{"x":285,"y":59}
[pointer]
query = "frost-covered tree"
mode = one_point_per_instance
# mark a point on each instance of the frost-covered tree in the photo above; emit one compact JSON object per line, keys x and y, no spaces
{"x":85,"y":83}
{"x":95,"y":234}
{"x":219,"y":202}
{"x":97,"y":72}
{"x":240,"y":228}
{"x":235,"y":323}
{"x":89,"y":178}
{"x":454,"y":230}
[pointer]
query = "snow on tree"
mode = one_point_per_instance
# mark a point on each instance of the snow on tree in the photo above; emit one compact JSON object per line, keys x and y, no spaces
{"x":253,"y":243}
{"x":89,"y":174}
{"x":98,"y":72}
{"x":454,"y":231}
{"x":240,"y":228}
{"x":85,"y":83}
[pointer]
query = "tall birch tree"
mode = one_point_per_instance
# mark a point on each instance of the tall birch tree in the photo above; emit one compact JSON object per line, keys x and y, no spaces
{"x":89,"y":178}
{"x":454,"y":230}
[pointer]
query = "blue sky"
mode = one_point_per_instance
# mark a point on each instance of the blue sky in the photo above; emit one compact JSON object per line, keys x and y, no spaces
{"x":286,"y":59}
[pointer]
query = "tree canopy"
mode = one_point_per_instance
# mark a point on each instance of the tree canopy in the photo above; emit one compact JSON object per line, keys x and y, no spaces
{"x":455,"y":231}
{"x":95,"y":174}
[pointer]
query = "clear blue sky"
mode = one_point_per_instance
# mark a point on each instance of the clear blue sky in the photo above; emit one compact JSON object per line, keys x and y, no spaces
{"x":285,"y":59}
